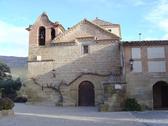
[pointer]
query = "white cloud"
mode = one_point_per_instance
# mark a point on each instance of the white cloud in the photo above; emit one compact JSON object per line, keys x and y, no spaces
{"x":159,"y":16}
{"x":13,"y":36}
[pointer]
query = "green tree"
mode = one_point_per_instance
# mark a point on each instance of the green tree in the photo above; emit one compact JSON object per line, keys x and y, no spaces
{"x":8,"y":86}
{"x":4,"y":72}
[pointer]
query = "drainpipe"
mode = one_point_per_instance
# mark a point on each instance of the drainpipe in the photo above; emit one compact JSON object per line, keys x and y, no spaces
{"x":121,"y":49}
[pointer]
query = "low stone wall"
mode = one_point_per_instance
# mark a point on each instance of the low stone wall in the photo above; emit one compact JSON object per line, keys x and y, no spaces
{"x":113,"y":98}
{"x":6,"y":113}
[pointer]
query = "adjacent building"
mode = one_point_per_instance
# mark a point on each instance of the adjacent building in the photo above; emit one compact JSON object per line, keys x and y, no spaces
{"x":146,"y":71}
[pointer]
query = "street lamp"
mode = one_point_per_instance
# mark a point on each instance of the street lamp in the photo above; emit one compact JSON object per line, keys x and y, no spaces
{"x":131,"y":63}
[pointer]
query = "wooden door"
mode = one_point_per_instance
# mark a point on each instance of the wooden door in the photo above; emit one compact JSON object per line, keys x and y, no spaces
{"x":86,"y":94}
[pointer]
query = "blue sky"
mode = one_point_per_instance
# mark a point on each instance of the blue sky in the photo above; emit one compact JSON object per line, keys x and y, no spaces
{"x":149,"y":17}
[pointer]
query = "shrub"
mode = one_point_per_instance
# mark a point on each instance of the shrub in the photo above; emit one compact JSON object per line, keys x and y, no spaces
{"x":20,"y":99}
{"x":1,"y":106}
{"x":131,"y":104}
{"x":6,"y":104}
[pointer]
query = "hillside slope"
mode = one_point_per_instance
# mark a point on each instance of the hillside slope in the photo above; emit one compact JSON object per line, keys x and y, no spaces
{"x":18,"y":65}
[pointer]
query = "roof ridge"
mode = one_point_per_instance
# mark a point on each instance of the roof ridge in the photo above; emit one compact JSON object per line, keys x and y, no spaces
{"x":48,"y":21}
{"x":67,"y":31}
{"x":84,"y":20}
{"x":103,"y":29}
{"x":146,"y":41}
{"x":42,"y":15}
{"x":102,"y":20}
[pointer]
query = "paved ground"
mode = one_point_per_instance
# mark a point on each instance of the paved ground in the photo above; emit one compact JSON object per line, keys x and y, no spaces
{"x":29,"y":115}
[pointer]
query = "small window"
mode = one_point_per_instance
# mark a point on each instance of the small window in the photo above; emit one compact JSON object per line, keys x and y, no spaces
{"x":136,"y":53}
{"x":85,"y":49}
{"x":156,"y":52}
{"x":137,"y":66}
{"x":156,"y":66}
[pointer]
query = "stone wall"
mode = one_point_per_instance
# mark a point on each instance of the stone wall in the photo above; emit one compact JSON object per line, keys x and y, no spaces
{"x":68,"y":61}
{"x":62,"y":64}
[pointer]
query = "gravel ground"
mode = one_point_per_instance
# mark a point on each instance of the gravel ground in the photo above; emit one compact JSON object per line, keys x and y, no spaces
{"x":152,"y":118}
{"x":33,"y":115}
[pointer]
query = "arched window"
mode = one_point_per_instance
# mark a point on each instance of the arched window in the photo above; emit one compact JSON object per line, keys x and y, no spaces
{"x":52,"y":33}
{"x":42,"y":36}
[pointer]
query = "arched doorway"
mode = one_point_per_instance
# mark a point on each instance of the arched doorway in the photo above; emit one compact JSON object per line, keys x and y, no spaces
{"x":86,"y":95}
{"x":160,"y":95}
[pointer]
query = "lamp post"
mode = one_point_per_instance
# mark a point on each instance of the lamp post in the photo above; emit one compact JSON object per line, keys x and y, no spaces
{"x":131,"y":63}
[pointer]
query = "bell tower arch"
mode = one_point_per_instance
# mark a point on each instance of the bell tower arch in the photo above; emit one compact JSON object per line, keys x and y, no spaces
{"x":41,"y":34}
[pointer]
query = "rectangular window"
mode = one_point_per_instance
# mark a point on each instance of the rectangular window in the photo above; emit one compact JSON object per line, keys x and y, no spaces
{"x":156,"y":66}
{"x":85,"y":49}
{"x":136,"y":53}
{"x":137,"y":66}
{"x":156,"y":52}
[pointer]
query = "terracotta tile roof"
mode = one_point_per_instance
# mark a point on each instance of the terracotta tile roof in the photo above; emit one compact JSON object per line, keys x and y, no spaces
{"x":144,"y":42}
{"x":103,"y":23}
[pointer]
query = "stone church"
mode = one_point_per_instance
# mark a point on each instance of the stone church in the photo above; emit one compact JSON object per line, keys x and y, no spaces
{"x":89,"y":65}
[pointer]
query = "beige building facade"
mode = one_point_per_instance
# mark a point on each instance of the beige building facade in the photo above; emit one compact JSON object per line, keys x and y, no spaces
{"x":88,"y":65}
{"x":146,"y":70}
